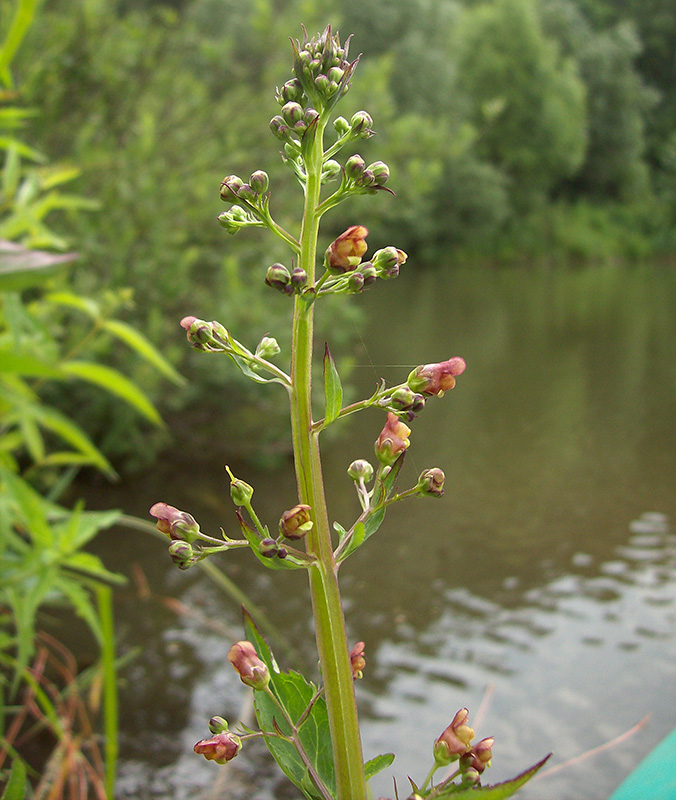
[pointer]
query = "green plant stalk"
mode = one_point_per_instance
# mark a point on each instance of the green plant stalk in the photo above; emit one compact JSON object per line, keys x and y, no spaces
{"x":326,"y":603}
{"x":110,"y":700}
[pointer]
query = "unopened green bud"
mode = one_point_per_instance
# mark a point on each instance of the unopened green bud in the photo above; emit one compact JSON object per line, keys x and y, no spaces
{"x":182,"y":554}
{"x":268,"y":548}
{"x":247,"y":193}
{"x":402,"y":398}
{"x":279,"y":278}
{"x":230,"y":187}
{"x":380,"y":171}
{"x":341,"y":126}
{"x":310,"y":116}
{"x":218,"y":725}
{"x":298,"y":278}
{"x":354,"y":167}
{"x":330,"y":171}
{"x":360,"y":469}
{"x":259,"y":181}
{"x":292,"y":113}
{"x":355,"y":282}
{"x":292,"y":91}
{"x":279,"y":127}
{"x":322,"y":84}
{"x":267,"y":347}
{"x":240,"y":492}
{"x":369,"y":272}
{"x":362,"y":124}
{"x":431,"y":483}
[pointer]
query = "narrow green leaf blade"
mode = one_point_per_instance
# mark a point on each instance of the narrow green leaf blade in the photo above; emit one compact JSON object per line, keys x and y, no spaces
{"x":114,"y":382}
{"x":131,"y":337}
{"x":16,"y":785}
{"x":333,"y":389}
{"x":377,"y":764}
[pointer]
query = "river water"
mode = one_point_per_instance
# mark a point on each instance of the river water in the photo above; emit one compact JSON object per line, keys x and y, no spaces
{"x":540,"y":591}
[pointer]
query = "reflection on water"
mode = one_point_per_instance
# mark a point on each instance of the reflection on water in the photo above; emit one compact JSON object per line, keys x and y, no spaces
{"x":546,"y":576}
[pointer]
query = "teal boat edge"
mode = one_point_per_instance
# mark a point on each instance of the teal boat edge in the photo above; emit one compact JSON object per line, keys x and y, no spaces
{"x":655,"y":776}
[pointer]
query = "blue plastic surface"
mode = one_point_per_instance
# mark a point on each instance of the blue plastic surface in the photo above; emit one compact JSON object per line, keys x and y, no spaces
{"x":655,"y":776}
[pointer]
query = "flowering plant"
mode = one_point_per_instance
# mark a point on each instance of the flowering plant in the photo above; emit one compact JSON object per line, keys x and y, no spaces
{"x":313,"y":731}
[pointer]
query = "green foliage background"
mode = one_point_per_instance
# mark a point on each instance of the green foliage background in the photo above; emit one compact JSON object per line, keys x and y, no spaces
{"x":538,"y":130}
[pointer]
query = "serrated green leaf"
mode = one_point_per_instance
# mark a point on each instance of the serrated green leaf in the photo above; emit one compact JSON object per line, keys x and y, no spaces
{"x":499,"y":791}
{"x":295,"y":694}
{"x":377,"y":764}
{"x":115,"y":383}
{"x":130,"y":336}
{"x":16,"y":785}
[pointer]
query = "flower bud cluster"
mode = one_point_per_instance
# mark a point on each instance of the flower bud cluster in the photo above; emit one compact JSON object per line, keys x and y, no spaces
{"x":250,"y":201}
{"x":209,"y":337}
{"x":364,"y":179}
{"x":322,"y":69}
{"x":183,"y":530}
{"x":406,"y":400}
{"x":454,"y":744}
{"x":279,"y":277}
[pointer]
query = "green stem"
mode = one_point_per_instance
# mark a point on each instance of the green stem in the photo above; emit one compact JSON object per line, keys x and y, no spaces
{"x":110,"y":700}
{"x":327,"y":608}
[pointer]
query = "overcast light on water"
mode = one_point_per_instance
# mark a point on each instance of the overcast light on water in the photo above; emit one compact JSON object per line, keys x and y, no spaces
{"x":540,"y":592}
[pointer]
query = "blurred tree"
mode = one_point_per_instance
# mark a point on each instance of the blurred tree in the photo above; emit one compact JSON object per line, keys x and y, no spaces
{"x":528,"y":98}
{"x":617,"y":102}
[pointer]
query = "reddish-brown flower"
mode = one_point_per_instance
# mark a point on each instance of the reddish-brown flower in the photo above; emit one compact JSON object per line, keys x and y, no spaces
{"x":246,"y":662}
{"x":357,"y":660}
{"x":479,"y":757}
{"x":435,"y":379}
{"x":393,"y":440}
{"x":177,"y":525}
{"x":296,"y":522}
{"x":455,"y":740}
{"x":344,"y":253}
{"x":221,"y":747}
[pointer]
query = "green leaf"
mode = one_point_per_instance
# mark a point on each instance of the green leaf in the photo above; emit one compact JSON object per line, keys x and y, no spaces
{"x":16,"y":785}
{"x":56,"y":422}
{"x":85,"y":304}
{"x":130,"y":336}
{"x":116,"y":383}
{"x":295,"y":694}
{"x":23,"y":16}
{"x":333,"y":389}
{"x":373,"y":521}
{"x":82,"y":602}
{"x":377,"y":764}
{"x":27,"y":365}
{"x":391,"y":477}
{"x":91,"y":565}
{"x":358,"y":537}
{"x":498,"y":791}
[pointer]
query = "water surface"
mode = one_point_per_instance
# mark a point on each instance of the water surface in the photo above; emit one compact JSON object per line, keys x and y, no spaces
{"x":541,"y":588}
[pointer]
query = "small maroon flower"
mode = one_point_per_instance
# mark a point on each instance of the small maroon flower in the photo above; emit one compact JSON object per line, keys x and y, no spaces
{"x":357,"y":660}
{"x":479,"y":757}
{"x":455,"y":740}
{"x":296,"y":522}
{"x":221,"y":747}
{"x":246,"y":662}
{"x":177,"y":525}
{"x":393,"y":440}
{"x":344,"y":253}
{"x":435,"y":379}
